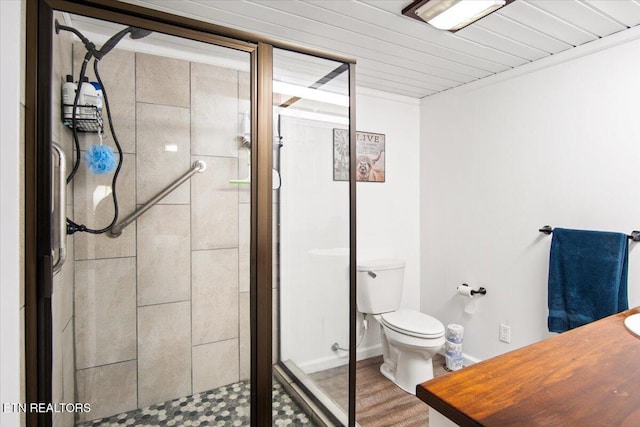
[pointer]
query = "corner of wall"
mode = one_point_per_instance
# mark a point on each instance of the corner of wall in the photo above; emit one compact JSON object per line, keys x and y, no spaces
{"x":12,"y":15}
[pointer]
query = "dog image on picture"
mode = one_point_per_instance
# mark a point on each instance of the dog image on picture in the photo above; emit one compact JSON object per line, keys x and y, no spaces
{"x":367,"y":170}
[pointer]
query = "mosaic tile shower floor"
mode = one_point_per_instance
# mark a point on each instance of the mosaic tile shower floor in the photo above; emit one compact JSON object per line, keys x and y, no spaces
{"x":224,"y":406}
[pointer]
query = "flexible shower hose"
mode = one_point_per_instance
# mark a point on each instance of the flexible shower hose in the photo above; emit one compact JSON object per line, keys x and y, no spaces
{"x":72,"y":226}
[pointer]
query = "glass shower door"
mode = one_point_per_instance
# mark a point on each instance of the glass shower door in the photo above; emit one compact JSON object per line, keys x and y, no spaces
{"x":151,"y":323}
{"x":312,"y":224}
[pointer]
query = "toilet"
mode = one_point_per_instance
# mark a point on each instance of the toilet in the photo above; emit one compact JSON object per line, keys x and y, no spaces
{"x":409,"y":338}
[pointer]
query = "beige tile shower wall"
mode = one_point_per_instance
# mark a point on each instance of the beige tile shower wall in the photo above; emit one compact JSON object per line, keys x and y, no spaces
{"x":164,"y":352}
{"x":105,"y":311}
{"x":214,"y":207}
{"x":214,"y":296}
{"x":215,"y":214}
{"x":214,"y":111}
{"x":163,"y":81}
{"x":164,"y":267}
{"x":208,"y":359}
{"x":105,"y":268}
{"x":168,"y":299}
{"x":162,"y":151}
{"x":111,"y":389}
{"x":244,"y":106}
{"x":244,"y":232}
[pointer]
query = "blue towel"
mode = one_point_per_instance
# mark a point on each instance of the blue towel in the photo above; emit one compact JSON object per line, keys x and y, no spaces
{"x":587,"y":277}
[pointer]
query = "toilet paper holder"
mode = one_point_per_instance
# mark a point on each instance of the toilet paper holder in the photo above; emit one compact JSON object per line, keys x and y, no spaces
{"x":480,"y":290}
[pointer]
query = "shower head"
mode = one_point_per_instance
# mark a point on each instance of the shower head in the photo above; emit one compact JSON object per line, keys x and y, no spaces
{"x":133,"y":32}
{"x":138,"y":33}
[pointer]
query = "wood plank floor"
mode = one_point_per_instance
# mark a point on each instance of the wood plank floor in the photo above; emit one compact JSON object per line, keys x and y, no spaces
{"x":379,"y":402}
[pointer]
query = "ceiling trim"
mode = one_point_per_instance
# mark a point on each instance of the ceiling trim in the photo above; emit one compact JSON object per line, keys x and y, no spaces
{"x":387,"y":96}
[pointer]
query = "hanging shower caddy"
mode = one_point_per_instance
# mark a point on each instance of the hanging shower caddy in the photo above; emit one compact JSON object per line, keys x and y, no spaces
{"x":89,"y":109}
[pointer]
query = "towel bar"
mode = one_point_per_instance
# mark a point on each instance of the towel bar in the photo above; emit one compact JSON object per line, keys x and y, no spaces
{"x":634,"y":236}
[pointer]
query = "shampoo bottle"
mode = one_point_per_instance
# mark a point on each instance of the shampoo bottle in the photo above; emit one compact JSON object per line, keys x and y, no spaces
{"x":98,"y":88}
{"x":68,"y":95}
{"x":88,"y":99}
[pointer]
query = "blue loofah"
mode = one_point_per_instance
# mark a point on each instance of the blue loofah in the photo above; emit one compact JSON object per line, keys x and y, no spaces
{"x":100,"y":159}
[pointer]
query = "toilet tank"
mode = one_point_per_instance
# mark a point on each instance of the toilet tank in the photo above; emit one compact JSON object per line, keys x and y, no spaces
{"x":379,"y":285}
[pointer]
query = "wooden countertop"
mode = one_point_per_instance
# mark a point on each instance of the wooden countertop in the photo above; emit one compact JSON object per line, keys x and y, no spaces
{"x":589,"y":376}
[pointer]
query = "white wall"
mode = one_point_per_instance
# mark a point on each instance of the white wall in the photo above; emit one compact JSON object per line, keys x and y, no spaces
{"x":388,"y":213}
{"x":12,"y":108}
{"x":314,"y":209}
{"x":556,"y":142}
{"x":314,"y":242}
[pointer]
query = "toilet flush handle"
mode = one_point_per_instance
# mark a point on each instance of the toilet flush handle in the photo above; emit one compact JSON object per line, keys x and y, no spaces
{"x":372,"y":274}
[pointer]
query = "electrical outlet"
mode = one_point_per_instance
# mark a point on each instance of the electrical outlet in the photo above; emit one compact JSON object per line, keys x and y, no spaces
{"x":505,"y":333}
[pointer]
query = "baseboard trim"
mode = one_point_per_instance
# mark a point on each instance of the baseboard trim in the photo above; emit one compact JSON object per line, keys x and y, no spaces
{"x":467,"y":360}
{"x":342,"y":359}
{"x":339,"y":359}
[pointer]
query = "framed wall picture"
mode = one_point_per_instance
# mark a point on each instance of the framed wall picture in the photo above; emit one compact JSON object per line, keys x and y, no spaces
{"x":370,"y":151}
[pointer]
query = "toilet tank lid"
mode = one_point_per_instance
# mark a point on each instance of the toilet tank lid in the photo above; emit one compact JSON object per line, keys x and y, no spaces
{"x":380,"y":264}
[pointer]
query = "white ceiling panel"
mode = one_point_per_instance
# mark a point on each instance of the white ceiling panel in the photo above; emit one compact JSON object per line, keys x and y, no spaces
{"x":391,"y":70}
{"x":547,"y":23}
{"x":504,"y":43}
{"x":508,"y":28}
{"x":392,"y":85}
{"x":625,"y":11}
{"x":401,"y":55}
{"x":581,"y":15}
{"x":393,"y":6}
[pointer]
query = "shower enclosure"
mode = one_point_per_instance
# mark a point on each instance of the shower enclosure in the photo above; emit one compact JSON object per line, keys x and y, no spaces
{"x":312,"y":222}
{"x":189,"y":250}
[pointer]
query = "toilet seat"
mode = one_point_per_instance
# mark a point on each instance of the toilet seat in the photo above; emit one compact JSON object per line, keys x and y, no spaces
{"x":413,"y":323}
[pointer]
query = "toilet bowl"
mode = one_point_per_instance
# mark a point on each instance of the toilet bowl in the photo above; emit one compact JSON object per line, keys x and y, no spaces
{"x":409,"y":338}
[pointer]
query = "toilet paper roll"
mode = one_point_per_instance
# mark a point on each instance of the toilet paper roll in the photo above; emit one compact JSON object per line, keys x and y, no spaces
{"x":471,"y":306}
{"x":453,"y":349}
{"x":455,"y":333}
{"x":465,"y":291}
{"x":453,"y":363}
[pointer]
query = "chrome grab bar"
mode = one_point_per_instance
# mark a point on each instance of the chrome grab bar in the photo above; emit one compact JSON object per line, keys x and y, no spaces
{"x":62,"y":205}
{"x":197,"y":167}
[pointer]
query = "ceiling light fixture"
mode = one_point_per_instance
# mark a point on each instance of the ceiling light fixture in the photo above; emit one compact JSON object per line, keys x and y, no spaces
{"x":452,"y":15}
